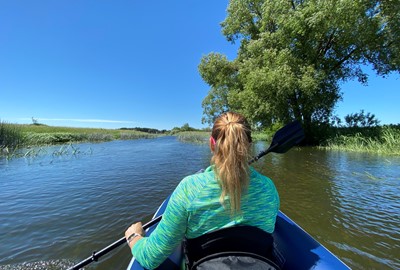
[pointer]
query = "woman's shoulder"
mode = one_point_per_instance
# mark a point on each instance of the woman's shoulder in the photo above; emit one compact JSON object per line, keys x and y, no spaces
{"x":260,"y":179}
{"x":200,"y":177}
{"x":193,"y":185}
{"x":256,"y":174}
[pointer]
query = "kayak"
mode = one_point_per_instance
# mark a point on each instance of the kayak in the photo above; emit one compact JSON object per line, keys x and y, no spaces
{"x":293,"y":247}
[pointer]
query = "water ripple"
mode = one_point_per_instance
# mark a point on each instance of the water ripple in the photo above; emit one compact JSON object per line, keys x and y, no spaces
{"x":57,"y":210}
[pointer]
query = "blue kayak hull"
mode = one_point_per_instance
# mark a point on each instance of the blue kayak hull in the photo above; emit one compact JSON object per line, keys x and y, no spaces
{"x":294,"y":248}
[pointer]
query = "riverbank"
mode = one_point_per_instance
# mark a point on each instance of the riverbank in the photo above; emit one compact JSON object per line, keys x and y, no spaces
{"x":203,"y":136}
{"x":383,"y":140}
{"x":15,"y":136}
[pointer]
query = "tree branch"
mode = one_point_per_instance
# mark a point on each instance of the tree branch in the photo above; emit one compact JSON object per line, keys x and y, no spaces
{"x":328,"y":43}
{"x":293,"y":6}
{"x":344,"y":59}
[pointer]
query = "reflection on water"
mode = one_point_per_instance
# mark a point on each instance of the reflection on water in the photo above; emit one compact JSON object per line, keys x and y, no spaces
{"x":58,"y":209}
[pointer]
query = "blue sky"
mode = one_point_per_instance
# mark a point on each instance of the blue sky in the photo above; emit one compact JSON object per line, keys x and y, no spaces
{"x":115,"y":64}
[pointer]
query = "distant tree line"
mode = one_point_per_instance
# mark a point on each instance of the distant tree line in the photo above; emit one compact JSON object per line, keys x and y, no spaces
{"x":186,"y":128}
{"x":183,"y":128}
{"x":148,"y":130}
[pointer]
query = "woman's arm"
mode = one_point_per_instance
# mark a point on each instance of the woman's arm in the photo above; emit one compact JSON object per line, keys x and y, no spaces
{"x":151,"y":251}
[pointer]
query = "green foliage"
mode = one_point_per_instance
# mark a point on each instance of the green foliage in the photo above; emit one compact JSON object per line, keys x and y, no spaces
{"x":206,"y":129}
{"x":361,"y":120}
{"x":14,"y":136}
{"x":32,"y":138}
{"x":261,"y":136}
{"x":137,"y":135}
{"x":183,"y":128}
{"x":10,"y":136}
{"x":217,"y":71}
{"x":53,"y":138}
{"x":293,"y":56}
{"x":147,"y":130}
{"x":204,"y":135}
{"x":186,"y":127}
{"x":194,"y":136}
{"x":379,"y":139}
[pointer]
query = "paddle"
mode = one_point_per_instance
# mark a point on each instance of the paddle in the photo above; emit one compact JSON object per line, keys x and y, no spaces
{"x":284,"y":139}
{"x":96,"y":255}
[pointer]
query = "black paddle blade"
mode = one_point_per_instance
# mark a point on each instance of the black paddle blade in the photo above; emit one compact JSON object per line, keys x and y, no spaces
{"x":287,"y":137}
{"x":284,"y":139}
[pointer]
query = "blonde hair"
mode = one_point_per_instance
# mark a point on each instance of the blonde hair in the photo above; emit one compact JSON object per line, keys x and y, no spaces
{"x":232,"y":135}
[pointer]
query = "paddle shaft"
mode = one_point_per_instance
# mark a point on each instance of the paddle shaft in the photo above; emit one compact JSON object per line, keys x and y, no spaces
{"x":263,"y":153}
{"x":96,"y":255}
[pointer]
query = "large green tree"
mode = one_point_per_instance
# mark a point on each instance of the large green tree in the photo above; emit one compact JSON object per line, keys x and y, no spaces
{"x":294,"y":54}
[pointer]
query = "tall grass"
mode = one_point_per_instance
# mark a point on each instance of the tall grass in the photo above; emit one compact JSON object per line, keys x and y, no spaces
{"x":194,"y":136}
{"x":14,"y":136}
{"x":203,"y":136}
{"x":11,"y":136}
{"x":382,"y":140}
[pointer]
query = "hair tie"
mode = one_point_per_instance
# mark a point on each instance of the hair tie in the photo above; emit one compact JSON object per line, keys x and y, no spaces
{"x":212,"y":140}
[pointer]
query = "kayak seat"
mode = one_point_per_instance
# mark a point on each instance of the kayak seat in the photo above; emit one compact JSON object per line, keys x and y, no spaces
{"x":237,"y":247}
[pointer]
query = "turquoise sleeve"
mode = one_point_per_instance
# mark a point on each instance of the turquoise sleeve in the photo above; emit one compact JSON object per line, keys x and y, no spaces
{"x":151,"y":251}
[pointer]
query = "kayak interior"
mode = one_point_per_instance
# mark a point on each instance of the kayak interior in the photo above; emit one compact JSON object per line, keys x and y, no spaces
{"x":293,"y":248}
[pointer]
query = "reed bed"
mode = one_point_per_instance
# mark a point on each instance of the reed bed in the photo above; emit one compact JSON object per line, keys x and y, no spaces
{"x":203,"y":136}
{"x":194,"y":136}
{"x":136,"y":135}
{"x":52,"y":129}
{"x":55,"y":135}
{"x":32,"y":139}
{"x":385,"y":142}
{"x":16,"y":136}
{"x":10,"y":136}
{"x":36,"y":151}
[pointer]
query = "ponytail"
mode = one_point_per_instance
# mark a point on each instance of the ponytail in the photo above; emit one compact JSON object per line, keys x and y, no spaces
{"x":232,"y":136}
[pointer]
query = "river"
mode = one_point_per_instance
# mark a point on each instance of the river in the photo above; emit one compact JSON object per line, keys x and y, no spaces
{"x":57,"y":208}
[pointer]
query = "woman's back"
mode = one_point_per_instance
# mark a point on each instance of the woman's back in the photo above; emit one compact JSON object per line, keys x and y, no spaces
{"x":259,"y":204}
{"x":228,"y":193}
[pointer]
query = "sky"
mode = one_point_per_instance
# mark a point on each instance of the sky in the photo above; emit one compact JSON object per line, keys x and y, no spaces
{"x":113,"y":64}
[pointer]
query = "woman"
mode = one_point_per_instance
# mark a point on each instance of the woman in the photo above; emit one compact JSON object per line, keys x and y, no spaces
{"x":227,"y":193}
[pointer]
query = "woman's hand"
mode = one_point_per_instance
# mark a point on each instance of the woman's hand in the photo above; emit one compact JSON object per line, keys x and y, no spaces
{"x":134,"y":233}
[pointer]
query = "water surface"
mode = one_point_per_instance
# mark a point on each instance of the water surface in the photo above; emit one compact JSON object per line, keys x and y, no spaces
{"x":56,"y":210}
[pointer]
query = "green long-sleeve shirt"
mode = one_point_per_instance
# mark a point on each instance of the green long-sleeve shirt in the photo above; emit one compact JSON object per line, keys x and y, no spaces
{"x":195,"y":209}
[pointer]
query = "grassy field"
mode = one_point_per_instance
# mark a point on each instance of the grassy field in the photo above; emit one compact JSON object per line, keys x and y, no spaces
{"x":15,"y":136}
